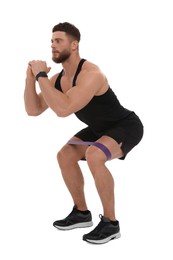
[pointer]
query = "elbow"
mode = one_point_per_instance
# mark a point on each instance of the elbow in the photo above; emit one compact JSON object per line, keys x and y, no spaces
{"x":33,"y":113}
{"x":63,"y":113}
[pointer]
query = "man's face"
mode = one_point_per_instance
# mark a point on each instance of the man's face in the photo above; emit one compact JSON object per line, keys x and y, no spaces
{"x":61,"y":47}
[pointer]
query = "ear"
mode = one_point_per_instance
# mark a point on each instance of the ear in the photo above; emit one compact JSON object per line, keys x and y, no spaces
{"x":75,"y":45}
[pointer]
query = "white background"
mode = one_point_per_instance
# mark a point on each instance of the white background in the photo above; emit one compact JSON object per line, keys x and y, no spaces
{"x":132,"y":42}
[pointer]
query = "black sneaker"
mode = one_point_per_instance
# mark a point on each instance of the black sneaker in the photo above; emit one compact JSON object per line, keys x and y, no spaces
{"x":76,"y":219}
{"x":104,"y":232}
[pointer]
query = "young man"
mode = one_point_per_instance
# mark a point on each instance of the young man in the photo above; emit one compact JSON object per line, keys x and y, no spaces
{"x":111,"y":132}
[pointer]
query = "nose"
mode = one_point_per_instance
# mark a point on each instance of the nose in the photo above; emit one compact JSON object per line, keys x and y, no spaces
{"x":53,"y":45}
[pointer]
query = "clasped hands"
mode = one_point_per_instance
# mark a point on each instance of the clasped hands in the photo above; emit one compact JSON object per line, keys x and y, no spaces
{"x":37,"y":66}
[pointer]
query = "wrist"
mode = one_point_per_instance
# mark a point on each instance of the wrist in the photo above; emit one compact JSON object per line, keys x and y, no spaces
{"x":31,"y":79}
{"x":41,"y":74}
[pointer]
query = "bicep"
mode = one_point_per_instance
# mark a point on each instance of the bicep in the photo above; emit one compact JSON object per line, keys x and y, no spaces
{"x":78,"y":98}
{"x":80,"y":95}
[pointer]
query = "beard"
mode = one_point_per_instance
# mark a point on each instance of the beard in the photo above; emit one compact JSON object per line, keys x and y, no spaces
{"x":63,"y":56}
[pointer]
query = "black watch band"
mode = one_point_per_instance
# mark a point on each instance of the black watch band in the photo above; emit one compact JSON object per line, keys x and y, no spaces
{"x":41,"y":74}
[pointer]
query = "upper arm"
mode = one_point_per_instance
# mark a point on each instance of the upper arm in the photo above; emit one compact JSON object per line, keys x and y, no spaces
{"x":87,"y":87}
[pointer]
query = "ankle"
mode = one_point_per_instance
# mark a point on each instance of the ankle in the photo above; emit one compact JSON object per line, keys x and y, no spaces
{"x":81,"y":207}
{"x":111,"y":217}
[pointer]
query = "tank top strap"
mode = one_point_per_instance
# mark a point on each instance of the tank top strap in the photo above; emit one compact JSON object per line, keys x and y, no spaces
{"x":57,"y":82}
{"x":78,"y":71}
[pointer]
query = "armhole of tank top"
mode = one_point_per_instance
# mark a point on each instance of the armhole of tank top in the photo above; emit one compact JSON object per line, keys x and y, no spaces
{"x":78,"y":71}
{"x":57,"y":82}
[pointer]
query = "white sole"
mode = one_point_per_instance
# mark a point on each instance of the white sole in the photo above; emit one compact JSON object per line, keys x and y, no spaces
{"x":78,"y":225}
{"x":105,"y":240}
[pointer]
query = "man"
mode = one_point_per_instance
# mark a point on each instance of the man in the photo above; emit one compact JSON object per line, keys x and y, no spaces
{"x":111,"y":132}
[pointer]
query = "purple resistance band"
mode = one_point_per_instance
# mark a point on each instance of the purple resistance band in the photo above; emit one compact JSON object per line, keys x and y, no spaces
{"x":99,"y":145}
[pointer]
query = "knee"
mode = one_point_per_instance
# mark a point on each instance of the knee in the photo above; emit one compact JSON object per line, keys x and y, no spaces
{"x":61,"y":157}
{"x":95,"y":157}
{"x":65,"y":156}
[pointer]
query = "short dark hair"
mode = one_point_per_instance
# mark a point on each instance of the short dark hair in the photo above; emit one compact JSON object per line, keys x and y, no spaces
{"x":69,"y":29}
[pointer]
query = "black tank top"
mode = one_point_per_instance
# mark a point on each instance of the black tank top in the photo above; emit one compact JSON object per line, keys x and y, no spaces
{"x":102,"y":112}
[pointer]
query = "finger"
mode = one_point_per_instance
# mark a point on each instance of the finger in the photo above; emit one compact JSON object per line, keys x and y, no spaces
{"x":31,"y":62}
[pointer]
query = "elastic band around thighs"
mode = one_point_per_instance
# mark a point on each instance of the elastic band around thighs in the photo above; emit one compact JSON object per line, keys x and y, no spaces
{"x":97,"y":144}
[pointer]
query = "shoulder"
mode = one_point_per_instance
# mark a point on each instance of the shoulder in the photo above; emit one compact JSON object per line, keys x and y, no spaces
{"x":90,"y":67}
{"x":91,"y":77}
{"x":91,"y":70}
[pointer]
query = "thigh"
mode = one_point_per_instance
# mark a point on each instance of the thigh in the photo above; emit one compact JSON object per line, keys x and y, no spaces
{"x":128,"y":133}
{"x":112,"y":145}
{"x":78,"y":151}
{"x":74,"y":152}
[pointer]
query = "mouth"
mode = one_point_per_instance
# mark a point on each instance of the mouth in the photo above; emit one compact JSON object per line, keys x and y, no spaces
{"x":55,"y":52}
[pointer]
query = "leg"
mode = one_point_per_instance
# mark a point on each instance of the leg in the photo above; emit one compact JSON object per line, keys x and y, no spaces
{"x":103,"y":179}
{"x":68,"y":158}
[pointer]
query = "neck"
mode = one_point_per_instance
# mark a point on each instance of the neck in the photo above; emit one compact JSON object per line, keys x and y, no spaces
{"x":71,"y":65}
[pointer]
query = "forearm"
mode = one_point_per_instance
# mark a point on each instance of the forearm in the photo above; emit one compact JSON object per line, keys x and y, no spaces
{"x":31,"y":98}
{"x":55,"y":99}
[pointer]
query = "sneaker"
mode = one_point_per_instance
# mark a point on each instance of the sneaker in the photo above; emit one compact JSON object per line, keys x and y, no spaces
{"x":104,"y":232}
{"x":76,"y":219}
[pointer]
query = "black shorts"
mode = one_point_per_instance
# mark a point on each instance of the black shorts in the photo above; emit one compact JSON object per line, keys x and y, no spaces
{"x":128,"y":131}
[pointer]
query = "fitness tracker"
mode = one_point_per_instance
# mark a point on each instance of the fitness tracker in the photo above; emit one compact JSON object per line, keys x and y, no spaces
{"x":41,"y":74}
